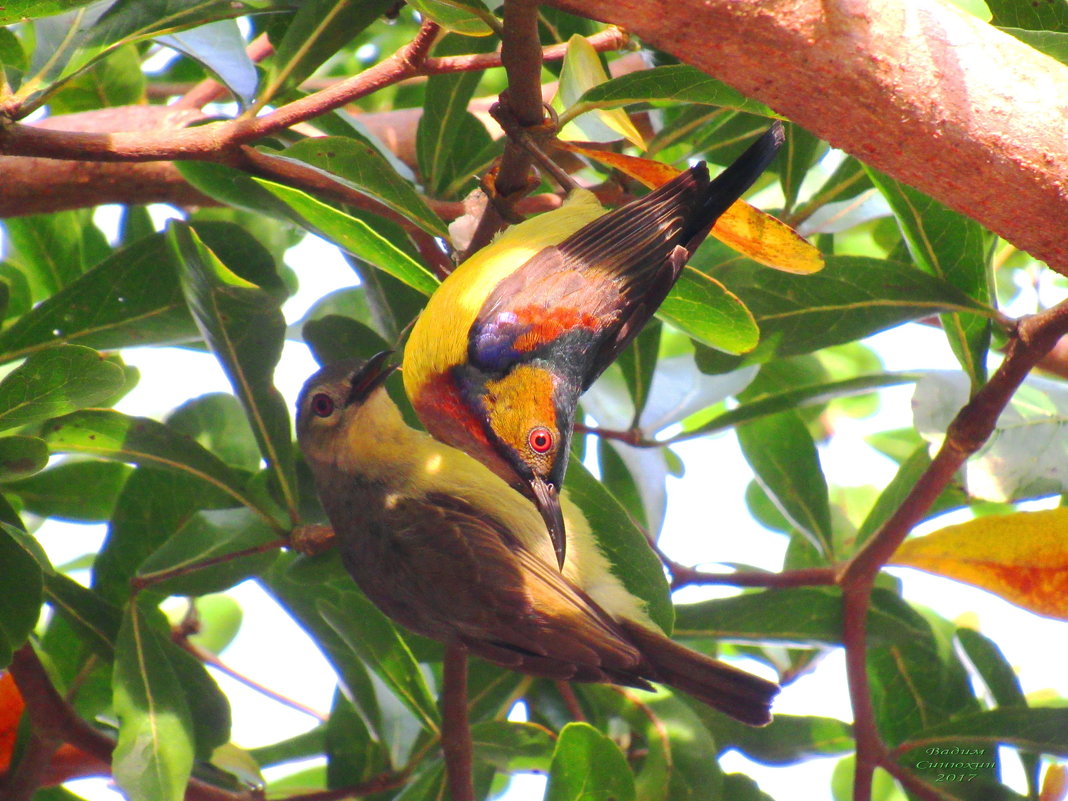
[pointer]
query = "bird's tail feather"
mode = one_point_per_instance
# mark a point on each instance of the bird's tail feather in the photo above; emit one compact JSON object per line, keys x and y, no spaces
{"x":741,"y":695}
{"x":730,"y":184}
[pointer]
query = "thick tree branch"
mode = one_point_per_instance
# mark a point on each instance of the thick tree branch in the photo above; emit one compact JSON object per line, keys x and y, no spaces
{"x":455,"y":727}
{"x":920,"y":90}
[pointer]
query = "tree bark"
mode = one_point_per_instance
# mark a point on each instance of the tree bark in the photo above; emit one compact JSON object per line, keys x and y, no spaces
{"x":920,"y":90}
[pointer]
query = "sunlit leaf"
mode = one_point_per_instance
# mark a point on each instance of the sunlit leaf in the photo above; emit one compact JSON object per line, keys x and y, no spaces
{"x":1023,"y":557}
{"x":588,"y":766}
{"x":54,"y":382}
{"x":676,"y":83}
{"x":459,"y":16}
{"x":582,"y":71}
{"x":1025,"y":455}
{"x":700,"y":306}
{"x":244,"y":326}
{"x":154,"y":753}
{"x":356,"y":163}
{"x":355,"y":236}
{"x":21,"y":457}
{"x":139,"y":440}
{"x":783,"y":456}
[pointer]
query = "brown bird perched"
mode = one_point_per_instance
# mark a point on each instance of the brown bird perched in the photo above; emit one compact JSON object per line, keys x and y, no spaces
{"x":497,"y":361}
{"x":443,"y":546}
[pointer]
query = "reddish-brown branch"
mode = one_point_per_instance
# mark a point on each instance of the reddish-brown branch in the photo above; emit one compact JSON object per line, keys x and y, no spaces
{"x":923,"y":91}
{"x":571,"y":701}
{"x":683,"y":576}
{"x":455,"y":727}
{"x":521,"y":57}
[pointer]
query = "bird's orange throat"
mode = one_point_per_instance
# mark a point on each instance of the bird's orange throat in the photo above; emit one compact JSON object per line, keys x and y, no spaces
{"x":449,"y":419}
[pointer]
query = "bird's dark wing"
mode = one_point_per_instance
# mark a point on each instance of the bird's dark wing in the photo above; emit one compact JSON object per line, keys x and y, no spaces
{"x":446,"y":571}
{"x":578,"y":304}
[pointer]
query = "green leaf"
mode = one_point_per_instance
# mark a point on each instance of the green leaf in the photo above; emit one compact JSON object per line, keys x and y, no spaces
{"x":131,"y":297}
{"x":851,"y":298}
{"x":357,"y":164}
{"x":153,"y":757}
{"x":219,"y":48}
{"x":317,"y":31}
{"x":210,"y":535}
{"x":49,"y":248}
{"x":355,"y":236}
{"x":352,"y":754}
{"x":952,"y":497}
{"x":369,"y":633}
{"x":638,"y":363}
{"x":333,"y":338}
{"x":582,"y":71}
{"x":1053,"y":43}
{"x":216,"y":421}
{"x":700,"y":306}
{"x":800,"y":151}
{"x":17,"y":10}
{"x":243,"y":325}
{"x":96,"y":621}
{"x":624,"y":545}
{"x":762,"y":405}
{"x":113,"y":81}
{"x":1051,"y":16}
{"x":918,"y":682}
{"x":995,"y":670}
{"x":511,"y":746}
{"x":952,"y":247}
{"x":21,"y":456}
{"x":1025,"y":456}
{"x":139,"y":440}
{"x":22,"y":593}
{"x":784,"y":458}
{"x":676,"y":83}
{"x":54,"y":382}
{"x":152,"y":505}
{"x":588,"y":766}
{"x":803,"y":615}
{"x":787,"y":740}
{"x":1043,"y":730}
{"x":467,"y":17}
{"x":450,"y":141}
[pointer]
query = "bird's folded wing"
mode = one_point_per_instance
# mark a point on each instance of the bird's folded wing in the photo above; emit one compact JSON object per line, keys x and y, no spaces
{"x":457,"y":573}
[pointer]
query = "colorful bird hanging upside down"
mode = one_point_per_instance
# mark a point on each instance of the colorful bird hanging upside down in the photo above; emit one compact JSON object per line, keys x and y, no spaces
{"x":441,"y":545}
{"x":496,"y":362}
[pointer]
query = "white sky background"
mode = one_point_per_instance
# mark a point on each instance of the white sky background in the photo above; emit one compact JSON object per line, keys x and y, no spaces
{"x":273,"y":651}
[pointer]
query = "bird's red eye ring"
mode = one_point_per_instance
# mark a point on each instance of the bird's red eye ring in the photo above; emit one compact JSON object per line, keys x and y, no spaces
{"x":540,"y":439}
{"x":322,"y":405}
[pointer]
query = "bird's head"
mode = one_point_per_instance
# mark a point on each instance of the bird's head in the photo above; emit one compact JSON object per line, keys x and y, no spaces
{"x":344,"y":406}
{"x":527,"y":419}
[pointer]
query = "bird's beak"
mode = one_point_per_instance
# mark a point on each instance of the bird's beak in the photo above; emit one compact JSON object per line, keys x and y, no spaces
{"x":547,"y":500}
{"x":369,"y":377}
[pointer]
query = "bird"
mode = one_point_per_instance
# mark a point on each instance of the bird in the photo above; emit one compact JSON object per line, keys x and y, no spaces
{"x":506,"y":345}
{"x":445,"y":548}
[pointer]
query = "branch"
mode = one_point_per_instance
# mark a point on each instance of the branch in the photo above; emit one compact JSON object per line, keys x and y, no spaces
{"x":521,"y":57}
{"x":917,"y":90}
{"x":455,"y":728}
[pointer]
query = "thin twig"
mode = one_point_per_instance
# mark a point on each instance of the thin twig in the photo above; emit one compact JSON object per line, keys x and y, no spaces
{"x":138,"y":583}
{"x":455,"y":728}
{"x":571,"y":701}
{"x":208,"y":658}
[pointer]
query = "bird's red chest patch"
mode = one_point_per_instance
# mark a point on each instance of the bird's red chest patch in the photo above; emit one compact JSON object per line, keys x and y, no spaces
{"x":547,"y":324}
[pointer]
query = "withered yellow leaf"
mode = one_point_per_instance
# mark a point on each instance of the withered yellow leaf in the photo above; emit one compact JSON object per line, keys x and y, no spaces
{"x":752,"y":232}
{"x":1023,"y":557}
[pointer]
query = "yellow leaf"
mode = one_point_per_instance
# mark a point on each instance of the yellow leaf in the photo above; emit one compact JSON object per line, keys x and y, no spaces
{"x":1023,"y":557}
{"x":1054,"y":784}
{"x":752,"y":232}
{"x":766,"y":240}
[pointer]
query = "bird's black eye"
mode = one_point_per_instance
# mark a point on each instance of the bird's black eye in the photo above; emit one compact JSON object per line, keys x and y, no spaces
{"x":322,"y":405}
{"x":540,"y":439}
